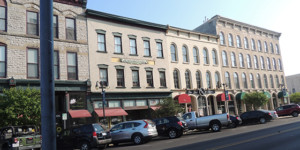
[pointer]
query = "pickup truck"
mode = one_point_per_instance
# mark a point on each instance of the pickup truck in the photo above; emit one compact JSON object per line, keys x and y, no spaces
{"x":215,"y":122}
{"x":20,"y":138}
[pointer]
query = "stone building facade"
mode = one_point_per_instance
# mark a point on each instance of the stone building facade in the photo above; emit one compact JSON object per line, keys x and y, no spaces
{"x":293,"y":83}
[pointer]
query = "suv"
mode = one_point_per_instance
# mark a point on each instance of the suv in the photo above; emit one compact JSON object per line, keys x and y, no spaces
{"x":137,"y":131}
{"x":84,"y":137}
{"x":169,"y":126}
{"x":286,"y":110}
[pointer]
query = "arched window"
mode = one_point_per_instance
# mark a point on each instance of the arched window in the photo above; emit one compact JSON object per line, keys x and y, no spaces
{"x":208,"y":80}
{"x":272,"y":48}
{"x":198,"y":79}
{"x":3,"y":60}
{"x":217,"y":79}
{"x":274,"y":64}
{"x":255,"y":62}
{"x":176,"y":79}
{"x":277,"y":81}
{"x":3,"y":15}
{"x":268,"y":63}
{"x":266,"y":81}
{"x":277,"y":49}
{"x":246,"y":43}
{"x":238,"y":41}
{"x":236,"y":80}
{"x":259,"y":45}
{"x":241,"y":57}
{"x":227,"y":80}
{"x":174,"y":52}
{"x":262,"y":62}
{"x":185,"y":54}
{"x":233,"y":60}
{"x":196,"y":55}
{"x":224,"y":57}
{"x":279,"y":65}
{"x":271,"y":81}
{"x":282,"y":80}
{"x":258,"y":80}
{"x":252,"y":81}
{"x":205,"y":56}
{"x":214,"y":57}
{"x":253,"y":44}
{"x":222,"y":38}
{"x":230,"y":40}
{"x":266,"y":47}
{"x":244,"y":78}
{"x":188,"y":79}
{"x":249,"y":64}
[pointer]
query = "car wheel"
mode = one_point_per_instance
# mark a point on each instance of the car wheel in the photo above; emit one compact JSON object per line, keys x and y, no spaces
{"x":137,"y":139}
{"x":85,"y":146}
{"x":262,"y":120}
{"x":233,"y":125}
{"x":295,"y":114}
{"x":172,"y":133}
{"x":215,"y":126}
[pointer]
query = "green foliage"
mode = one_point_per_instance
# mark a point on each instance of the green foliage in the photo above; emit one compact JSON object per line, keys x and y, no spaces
{"x":168,"y":107}
{"x":256,"y":99}
{"x":20,"y":107}
{"x":295,"y":97}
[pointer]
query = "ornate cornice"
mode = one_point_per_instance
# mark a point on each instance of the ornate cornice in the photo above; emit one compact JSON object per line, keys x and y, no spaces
{"x":80,"y":3}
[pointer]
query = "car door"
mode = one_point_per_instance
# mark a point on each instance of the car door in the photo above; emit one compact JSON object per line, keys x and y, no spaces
{"x":191,"y":123}
{"x":116,"y":132}
{"x":64,"y":140}
{"x":128,"y":130}
{"x":245,"y":117}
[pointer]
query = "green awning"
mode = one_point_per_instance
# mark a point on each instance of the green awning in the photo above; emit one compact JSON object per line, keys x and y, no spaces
{"x":240,"y":96}
{"x":280,"y":94}
{"x":267,"y":94}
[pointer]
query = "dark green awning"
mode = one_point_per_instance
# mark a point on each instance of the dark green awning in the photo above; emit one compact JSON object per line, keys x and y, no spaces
{"x":280,"y":94}
{"x":240,"y":96}
{"x":267,"y":94}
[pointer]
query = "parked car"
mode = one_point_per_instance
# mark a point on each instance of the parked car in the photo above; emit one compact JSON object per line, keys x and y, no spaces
{"x":137,"y":131}
{"x":255,"y":116}
{"x":215,"y":122}
{"x":20,"y":137}
{"x":84,"y":137}
{"x":235,"y":121}
{"x":272,"y":112}
{"x":169,"y":126}
{"x":286,"y":110}
{"x":184,"y":124}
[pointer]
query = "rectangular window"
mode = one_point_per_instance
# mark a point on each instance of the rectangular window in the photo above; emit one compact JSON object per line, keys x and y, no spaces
{"x":133,"y":50}
{"x":104,"y":76}
{"x":56,"y":64}
{"x":118,"y":45}
{"x":114,"y":104}
{"x":72,"y":66}
{"x":70,"y":29}
{"x":32,"y":63}
{"x":2,"y":61}
{"x":129,"y":103}
{"x":80,"y":99}
{"x":2,"y":18}
{"x":147,"y":48}
{"x":32,"y":23}
{"x":135,"y":78}
{"x":159,"y":50}
{"x":141,"y":103}
{"x":120,"y":78}
{"x":162,"y":78}
{"x":153,"y":102}
{"x":149,"y":78}
{"x":101,"y":42}
{"x":55,"y":26}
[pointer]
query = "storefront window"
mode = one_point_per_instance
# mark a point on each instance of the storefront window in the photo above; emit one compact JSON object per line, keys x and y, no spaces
{"x":153,"y":102}
{"x":98,"y":104}
{"x":221,"y":107}
{"x":141,"y":103}
{"x":129,"y":103}
{"x":114,"y":104}
{"x":116,"y":120}
{"x":77,"y":101}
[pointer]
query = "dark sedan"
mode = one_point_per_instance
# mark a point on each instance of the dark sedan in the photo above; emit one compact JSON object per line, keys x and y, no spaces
{"x":169,"y":126}
{"x":235,"y":121}
{"x":255,"y":116}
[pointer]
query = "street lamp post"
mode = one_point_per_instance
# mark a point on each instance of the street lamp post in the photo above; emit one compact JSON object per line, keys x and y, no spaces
{"x":103,"y":97}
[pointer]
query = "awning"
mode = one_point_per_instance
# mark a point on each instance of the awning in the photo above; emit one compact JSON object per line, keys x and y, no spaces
{"x":154,"y":107}
{"x":109,"y":112}
{"x":280,"y":94}
{"x":240,"y":96}
{"x":267,"y":94}
{"x":79,"y":113}
{"x":183,"y":98}
{"x":221,"y":97}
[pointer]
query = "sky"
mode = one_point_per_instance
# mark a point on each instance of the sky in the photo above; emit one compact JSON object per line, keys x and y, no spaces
{"x":281,"y":16}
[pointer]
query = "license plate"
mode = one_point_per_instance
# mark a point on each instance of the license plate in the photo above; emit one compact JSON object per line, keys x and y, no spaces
{"x":104,"y":134}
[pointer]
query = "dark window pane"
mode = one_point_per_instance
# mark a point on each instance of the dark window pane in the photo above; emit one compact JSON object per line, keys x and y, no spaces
{"x":70,"y":29}
{"x":32,"y":23}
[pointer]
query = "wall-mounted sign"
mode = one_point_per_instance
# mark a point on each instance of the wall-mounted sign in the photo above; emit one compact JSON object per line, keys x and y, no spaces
{"x":134,"y":62}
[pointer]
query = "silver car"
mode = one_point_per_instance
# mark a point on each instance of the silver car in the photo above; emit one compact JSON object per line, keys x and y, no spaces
{"x":137,"y":131}
{"x":271,"y":113}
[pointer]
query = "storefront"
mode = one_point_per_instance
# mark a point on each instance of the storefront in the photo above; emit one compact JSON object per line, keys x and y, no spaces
{"x":284,"y":98}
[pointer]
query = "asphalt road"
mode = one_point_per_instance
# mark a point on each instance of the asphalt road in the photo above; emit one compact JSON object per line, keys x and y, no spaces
{"x":280,"y":134}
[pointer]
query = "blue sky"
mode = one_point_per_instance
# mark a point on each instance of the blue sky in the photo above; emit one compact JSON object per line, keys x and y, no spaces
{"x":277,"y":15}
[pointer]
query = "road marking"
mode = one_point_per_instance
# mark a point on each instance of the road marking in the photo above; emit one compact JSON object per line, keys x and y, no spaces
{"x":253,"y":139}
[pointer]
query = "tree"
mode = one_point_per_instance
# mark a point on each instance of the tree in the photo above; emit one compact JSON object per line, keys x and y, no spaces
{"x":20,"y":107}
{"x":295,"y":97}
{"x":168,"y":107}
{"x":255,"y":99}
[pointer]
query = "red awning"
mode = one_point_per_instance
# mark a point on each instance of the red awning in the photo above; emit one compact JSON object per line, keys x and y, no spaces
{"x":109,"y":112}
{"x":79,"y":113}
{"x":183,"y":98}
{"x":221,"y":97}
{"x":154,"y":107}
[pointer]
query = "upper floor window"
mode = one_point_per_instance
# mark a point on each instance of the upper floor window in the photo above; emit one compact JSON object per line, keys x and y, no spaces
{"x":32,"y":63}
{"x":259,"y":46}
{"x":274,"y":64}
{"x":72,"y":66}
{"x":251,"y":80}
{"x":272,"y":48}
{"x":233,"y":60}
{"x":258,"y":81}
{"x":173,"y":52}
{"x":32,"y":23}
{"x":222,"y":38}
{"x":70,"y":29}
{"x":104,"y":76}
{"x":249,"y":64}
{"x":277,"y":81}
{"x":227,"y":80}
{"x":241,"y":60}
{"x":244,"y":78}
{"x":120,"y":78}
{"x":2,"y":61}
{"x":176,"y":79}
{"x":56,"y":64}
{"x":149,"y":76}
{"x":132,"y":44}
{"x":159,"y":48}
{"x":196,"y":55}
{"x":266,"y":81}
{"x":277,"y":49}
{"x":271,"y":81}
{"x":268,"y":63}
{"x":55,"y":26}
{"x":147,"y":51}
{"x":224,"y":57}
{"x":266,"y":47}
{"x":262,"y":62}
{"x":3,"y":18}
{"x":253,"y":44}
{"x":118,"y":45}
{"x":185,"y":54}
{"x":238,"y":41}
{"x":188,"y":79}
{"x":205,"y":56}
{"x":255,"y":62}
{"x":214,"y":57}
{"x":279,"y":65}
{"x":217,"y":79}
{"x":101,"y":42}
{"x":162,"y":78}
{"x":135,"y":78}
{"x":230,"y":40}
{"x":246,"y":43}
{"x":208,"y":80}
{"x":236,"y":80}
{"x":198,"y":79}
{"x":282,"y":80}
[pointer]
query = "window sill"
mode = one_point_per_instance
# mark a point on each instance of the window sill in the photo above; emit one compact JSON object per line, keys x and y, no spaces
{"x":160,"y":57}
{"x":223,"y":44}
{"x":133,"y":55}
{"x":246,"y":48}
{"x":256,"y":68}
{"x":120,"y":87}
{"x":215,"y":65}
{"x":242,"y":68}
{"x":136,"y":87}
{"x":206,"y":64}
{"x":239,"y":47}
{"x":196,"y":63}
{"x":118,"y":53}
{"x":163,"y":87}
{"x":148,"y":56}
{"x":149,"y":87}
{"x":233,"y":66}
{"x":226,"y":66}
{"x":231,"y":46}
{"x":186,"y":62}
{"x":101,"y":51}
{"x":174,"y":62}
